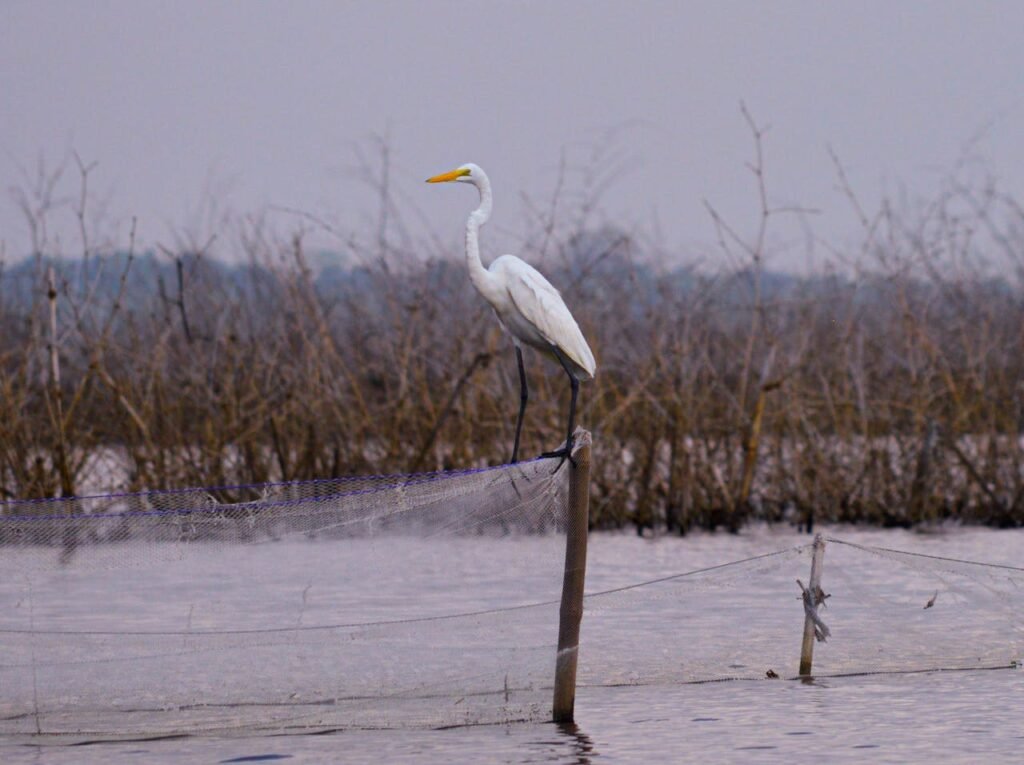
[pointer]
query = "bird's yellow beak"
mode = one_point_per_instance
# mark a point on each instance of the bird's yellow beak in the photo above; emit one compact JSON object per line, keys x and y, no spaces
{"x":449,"y":176}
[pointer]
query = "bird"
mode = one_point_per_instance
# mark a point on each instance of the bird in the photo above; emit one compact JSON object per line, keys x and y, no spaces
{"x":527,"y":305}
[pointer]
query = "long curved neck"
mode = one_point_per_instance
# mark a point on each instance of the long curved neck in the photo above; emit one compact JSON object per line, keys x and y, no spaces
{"x":479,"y":275}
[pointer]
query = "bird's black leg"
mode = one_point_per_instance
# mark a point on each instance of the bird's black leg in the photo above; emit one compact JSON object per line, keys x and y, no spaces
{"x":566,"y":451}
{"x":524,"y":396}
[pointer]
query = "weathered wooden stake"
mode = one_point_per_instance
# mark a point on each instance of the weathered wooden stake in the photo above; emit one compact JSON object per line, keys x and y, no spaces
{"x":813,"y":587}
{"x":571,"y":611}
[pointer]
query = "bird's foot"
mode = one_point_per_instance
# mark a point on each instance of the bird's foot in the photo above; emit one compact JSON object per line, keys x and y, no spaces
{"x":564,"y":452}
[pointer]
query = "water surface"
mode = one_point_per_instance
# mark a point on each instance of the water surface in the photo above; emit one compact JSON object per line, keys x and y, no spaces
{"x":950,"y":716}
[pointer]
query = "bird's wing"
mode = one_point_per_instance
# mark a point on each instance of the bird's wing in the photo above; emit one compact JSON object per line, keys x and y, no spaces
{"x":541,"y":305}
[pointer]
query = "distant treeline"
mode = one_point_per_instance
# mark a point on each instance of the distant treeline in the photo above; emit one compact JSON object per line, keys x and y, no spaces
{"x":888,"y":389}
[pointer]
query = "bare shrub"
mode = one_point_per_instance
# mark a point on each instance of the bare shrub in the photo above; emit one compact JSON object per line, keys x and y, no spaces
{"x":884,"y":389}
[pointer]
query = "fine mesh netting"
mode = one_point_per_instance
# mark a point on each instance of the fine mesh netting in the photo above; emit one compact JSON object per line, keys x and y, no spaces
{"x":907,"y":612}
{"x":375,"y":602}
{"x":887,"y":611}
{"x":725,"y":621}
{"x":426,"y":600}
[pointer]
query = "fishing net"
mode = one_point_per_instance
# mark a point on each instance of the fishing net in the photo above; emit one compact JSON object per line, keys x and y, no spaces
{"x":428,"y":600}
{"x":884,"y":611}
{"x":899,"y":611}
{"x":371,"y":602}
{"x":731,"y":620}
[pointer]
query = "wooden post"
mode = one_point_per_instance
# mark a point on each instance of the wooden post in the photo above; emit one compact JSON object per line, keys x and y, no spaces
{"x":812,"y":593}
{"x":571,"y":611}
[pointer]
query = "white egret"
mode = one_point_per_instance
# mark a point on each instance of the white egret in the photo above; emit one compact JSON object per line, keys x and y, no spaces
{"x":527,"y":305}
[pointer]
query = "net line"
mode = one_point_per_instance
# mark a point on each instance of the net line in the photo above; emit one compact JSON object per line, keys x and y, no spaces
{"x":425,"y":619}
{"x":507,"y":609}
{"x":697,"y":571}
{"x":889,"y":551}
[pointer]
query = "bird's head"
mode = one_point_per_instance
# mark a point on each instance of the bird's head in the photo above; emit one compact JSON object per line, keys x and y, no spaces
{"x":468,"y":173}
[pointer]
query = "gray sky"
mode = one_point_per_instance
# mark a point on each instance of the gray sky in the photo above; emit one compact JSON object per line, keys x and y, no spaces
{"x":266,"y":104}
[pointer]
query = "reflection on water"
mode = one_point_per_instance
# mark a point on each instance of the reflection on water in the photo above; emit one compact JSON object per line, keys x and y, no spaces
{"x":582,"y":745}
{"x":958,"y":717}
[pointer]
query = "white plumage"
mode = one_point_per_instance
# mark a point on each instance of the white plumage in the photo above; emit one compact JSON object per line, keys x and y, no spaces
{"x":534,"y":312}
{"x":526,"y":303}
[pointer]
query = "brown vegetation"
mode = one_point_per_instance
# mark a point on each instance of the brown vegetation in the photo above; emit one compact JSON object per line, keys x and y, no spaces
{"x":886,"y":390}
